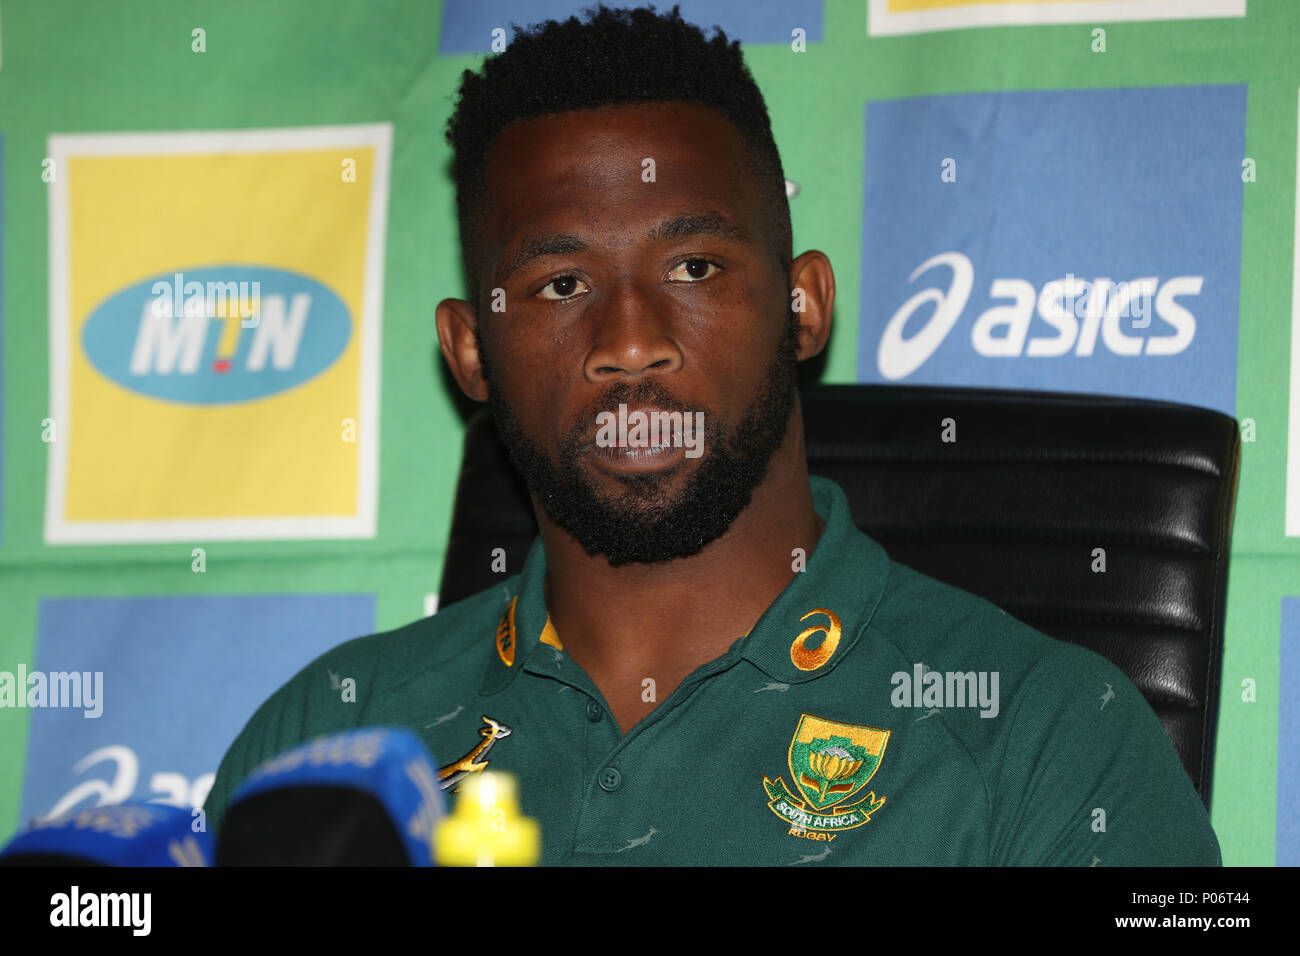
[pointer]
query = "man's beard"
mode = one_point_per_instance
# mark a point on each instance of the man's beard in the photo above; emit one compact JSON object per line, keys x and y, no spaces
{"x":644,"y":524}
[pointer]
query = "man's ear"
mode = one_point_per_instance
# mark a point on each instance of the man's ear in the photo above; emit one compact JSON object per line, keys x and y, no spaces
{"x":811,"y":275}
{"x":456,"y":323}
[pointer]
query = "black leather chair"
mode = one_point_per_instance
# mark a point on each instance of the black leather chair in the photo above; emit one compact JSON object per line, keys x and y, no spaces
{"x":1012,"y":511}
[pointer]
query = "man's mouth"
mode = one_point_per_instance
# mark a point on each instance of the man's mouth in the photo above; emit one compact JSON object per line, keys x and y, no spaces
{"x":638,"y":460}
{"x":618,"y":445}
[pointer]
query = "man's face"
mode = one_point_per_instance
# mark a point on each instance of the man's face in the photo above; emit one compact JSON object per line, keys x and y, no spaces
{"x":662,"y":295}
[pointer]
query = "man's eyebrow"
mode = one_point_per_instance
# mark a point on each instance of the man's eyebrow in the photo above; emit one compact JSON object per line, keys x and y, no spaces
{"x":679,"y":227}
{"x":698,"y":224}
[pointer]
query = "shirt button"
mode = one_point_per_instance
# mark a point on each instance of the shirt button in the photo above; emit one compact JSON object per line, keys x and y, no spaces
{"x":610,"y":779}
{"x":594,"y":712}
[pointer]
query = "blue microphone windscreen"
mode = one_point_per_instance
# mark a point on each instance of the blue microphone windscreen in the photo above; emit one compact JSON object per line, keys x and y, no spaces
{"x":385,"y":768}
{"x":127,"y":834}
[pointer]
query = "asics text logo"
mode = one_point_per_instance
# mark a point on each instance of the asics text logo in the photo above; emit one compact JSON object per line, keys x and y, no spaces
{"x":1081,"y":313}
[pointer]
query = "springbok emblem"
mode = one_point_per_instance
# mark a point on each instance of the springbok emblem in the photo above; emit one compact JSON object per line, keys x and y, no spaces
{"x":472,"y":762}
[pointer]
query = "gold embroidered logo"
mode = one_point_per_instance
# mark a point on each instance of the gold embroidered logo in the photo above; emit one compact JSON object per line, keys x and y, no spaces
{"x":474,"y":761}
{"x":830,"y":763}
{"x":506,"y":634}
{"x":810,"y":659}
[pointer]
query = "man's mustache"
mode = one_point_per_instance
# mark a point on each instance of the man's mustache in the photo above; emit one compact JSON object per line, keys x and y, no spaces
{"x":642,"y":393}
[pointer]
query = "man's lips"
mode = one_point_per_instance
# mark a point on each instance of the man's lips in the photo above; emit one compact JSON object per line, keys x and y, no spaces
{"x":639,"y":460}
{"x":632,"y":458}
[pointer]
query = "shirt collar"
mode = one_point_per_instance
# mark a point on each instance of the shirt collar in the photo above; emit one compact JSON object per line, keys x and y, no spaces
{"x":828,"y":605}
{"x":523,"y":625}
{"x":811,"y":626}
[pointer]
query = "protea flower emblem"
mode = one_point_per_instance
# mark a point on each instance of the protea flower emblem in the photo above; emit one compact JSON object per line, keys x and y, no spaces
{"x":830,"y":765}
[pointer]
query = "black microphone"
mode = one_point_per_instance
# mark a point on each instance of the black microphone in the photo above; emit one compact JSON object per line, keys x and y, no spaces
{"x":367,"y":797}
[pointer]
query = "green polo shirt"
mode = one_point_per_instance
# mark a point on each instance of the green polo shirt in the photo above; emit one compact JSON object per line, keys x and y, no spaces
{"x":873,"y":715}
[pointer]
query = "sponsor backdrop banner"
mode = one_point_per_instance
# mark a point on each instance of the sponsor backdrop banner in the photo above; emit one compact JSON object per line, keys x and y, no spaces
{"x":226,"y":439}
{"x":1037,"y":227}
{"x":206,"y":350}
{"x":164,"y":685}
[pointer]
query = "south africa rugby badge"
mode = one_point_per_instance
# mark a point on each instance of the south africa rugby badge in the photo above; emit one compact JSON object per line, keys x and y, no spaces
{"x":830,"y":763}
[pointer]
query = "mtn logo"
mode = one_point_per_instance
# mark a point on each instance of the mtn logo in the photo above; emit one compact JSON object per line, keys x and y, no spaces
{"x":211,"y":342}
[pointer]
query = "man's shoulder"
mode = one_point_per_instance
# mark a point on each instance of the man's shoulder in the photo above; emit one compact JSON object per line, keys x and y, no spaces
{"x":445,"y":644}
{"x":1071,"y":736}
{"x":929,"y":621}
{"x":924,"y":626}
{"x":378,"y":679}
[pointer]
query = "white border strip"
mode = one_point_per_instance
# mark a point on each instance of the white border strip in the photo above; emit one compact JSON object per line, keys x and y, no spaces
{"x":372,"y":310}
{"x":882,"y":22}
{"x":363,"y":524}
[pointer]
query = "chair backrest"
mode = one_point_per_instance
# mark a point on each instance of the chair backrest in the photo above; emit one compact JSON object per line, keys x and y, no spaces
{"x":1020,"y":497}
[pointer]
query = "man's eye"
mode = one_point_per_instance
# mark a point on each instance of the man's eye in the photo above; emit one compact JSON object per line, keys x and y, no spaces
{"x":693,"y":270}
{"x":564,"y":286}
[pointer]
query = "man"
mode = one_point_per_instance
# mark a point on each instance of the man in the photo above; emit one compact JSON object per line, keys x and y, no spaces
{"x":700,"y":662}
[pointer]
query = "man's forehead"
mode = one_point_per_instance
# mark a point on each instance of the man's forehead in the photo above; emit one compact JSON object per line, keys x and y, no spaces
{"x":600,"y":148}
{"x":639,"y":169}
{"x":640,"y":121}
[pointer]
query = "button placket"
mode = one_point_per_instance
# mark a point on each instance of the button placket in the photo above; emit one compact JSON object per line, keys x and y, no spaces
{"x":610,"y":779}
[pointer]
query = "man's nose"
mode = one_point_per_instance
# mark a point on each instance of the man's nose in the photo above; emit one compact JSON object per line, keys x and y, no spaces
{"x":631,"y":337}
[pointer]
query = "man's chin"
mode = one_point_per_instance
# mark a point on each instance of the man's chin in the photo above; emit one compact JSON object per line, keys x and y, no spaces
{"x":637,"y":505}
{"x":648,"y":484}
{"x":646,"y":524}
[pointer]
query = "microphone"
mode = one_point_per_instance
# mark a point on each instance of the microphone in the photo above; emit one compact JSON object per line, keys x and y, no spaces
{"x":488,"y":828}
{"x":367,"y":797}
{"x":126,"y":834}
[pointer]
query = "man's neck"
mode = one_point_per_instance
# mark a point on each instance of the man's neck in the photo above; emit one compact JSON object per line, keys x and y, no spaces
{"x":662,"y":621}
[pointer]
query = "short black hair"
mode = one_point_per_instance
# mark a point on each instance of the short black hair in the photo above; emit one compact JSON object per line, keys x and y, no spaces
{"x":616,"y":56}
